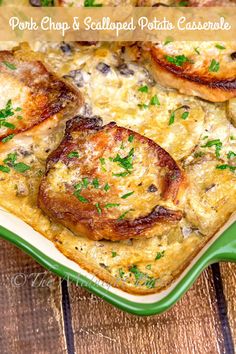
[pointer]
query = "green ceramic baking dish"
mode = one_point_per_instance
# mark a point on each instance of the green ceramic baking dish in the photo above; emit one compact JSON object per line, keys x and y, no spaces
{"x":222,"y":247}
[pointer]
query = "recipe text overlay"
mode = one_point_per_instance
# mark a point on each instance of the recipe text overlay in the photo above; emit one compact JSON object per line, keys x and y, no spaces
{"x":117,"y":24}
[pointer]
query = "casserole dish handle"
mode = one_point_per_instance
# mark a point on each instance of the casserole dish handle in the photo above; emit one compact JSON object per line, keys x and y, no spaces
{"x":224,"y":248}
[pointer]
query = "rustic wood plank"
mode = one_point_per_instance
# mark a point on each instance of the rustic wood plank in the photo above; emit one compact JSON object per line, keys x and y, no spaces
{"x":228,"y":275}
{"x":30,"y":306}
{"x":192,"y":326}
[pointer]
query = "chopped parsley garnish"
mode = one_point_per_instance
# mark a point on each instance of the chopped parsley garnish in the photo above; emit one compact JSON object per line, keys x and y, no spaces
{"x":7,"y":112}
{"x":198,"y":154}
{"x":21,"y":167}
{"x":113,"y":254}
{"x":80,"y":197}
{"x":95,"y":183}
{"x":91,"y":3}
{"x":196,"y":50}
{"x":177,"y":60}
{"x":154,"y":101}
{"x":10,"y":161}
{"x":107,"y":187}
{"x":99,"y":210}
{"x":217,"y":143}
{"x":122,"y":174}
{"x":9,"y":65}
{"x":103,"y":162}
{"x":127,"y":195}
{"x":73,"y":154}
{"x":131,"y":138}
{"x":8,"y":138}
{"x":168,"y":40}
{"x":142,"y":278}
{"x":225,"y":166}
{"x":183,"y":3}
{"x":124,"y":162}
{"x":214,"y":66}
{"x":122,"y":146}
{"x":232,"y":137}
{"x":47,"y":3}
{"x":122,"y":216}
{"x":11,"y":158}
{"x":159,"y":255}
{"x":219,"y":46}
{"x":111,"y":205}
{"x":85,"y":182}
{"x":148,"y":266}
{"x":231,"y":154}
{"x":143,"y":89}
{"x":172,"y":118}
{"x":121,"y":273}
{"x":184,"y":115}
{"x":78,"y":186}
{"x":4,"y":169}
{"x":143,"y":105}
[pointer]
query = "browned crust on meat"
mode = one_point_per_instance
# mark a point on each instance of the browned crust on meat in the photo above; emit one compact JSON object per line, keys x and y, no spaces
{"x":82,"y":218}
{"x":47,"y":94}
{"x":199,"y":83}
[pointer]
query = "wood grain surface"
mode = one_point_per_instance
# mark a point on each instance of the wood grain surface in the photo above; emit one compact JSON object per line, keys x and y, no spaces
{"x":42,"y":315}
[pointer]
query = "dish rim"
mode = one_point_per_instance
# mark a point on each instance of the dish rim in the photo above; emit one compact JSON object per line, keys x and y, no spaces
{"x":219,"y":248}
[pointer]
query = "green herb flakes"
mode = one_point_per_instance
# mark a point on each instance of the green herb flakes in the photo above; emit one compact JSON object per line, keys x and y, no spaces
{"x":73,"y":154}
{"x":159,"y":255}
{"x":106,"y":187}
{"x":121,"y":273}
{"x":111,"y":205}
{"x":226,"y":166}
{"x":131,"y":138}
{"x":80,"y":197}
{"x":95,"y":183}
{"x":143,"y":89}
{"x":154,"y":101}
{"x":231,"y":154}
{"x":214,"y":66}
{"x":177,"y":60}
{"x":218,"y":146}
{"x":185,"y":115}
{"x":8,"y":138}
{"x":4,"y":169}
{"x":143,"y":105}
{"x":9,"y":65}
{"x":122,"y":216}
{"x":127,"y":195}
{"x":142,"y":278}
{"x":91,"y":3}
{"x":219,"y":46}
{"x":21,"y":167}
{"x":99,"y":210}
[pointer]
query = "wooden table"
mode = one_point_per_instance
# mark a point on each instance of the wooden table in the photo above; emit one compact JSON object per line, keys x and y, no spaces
{"x":42,"y":315}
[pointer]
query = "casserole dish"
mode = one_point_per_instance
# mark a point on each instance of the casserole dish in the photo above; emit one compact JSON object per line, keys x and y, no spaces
{"x":222,"y":247}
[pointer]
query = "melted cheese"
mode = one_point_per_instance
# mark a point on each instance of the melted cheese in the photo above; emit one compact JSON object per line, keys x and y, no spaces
{"x":115,"y":96}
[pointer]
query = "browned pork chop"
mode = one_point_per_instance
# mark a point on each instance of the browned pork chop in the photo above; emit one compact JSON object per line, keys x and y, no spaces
{"x":206,"y":69}
{"x":30,"y":94}
{"x":110,"y":182}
